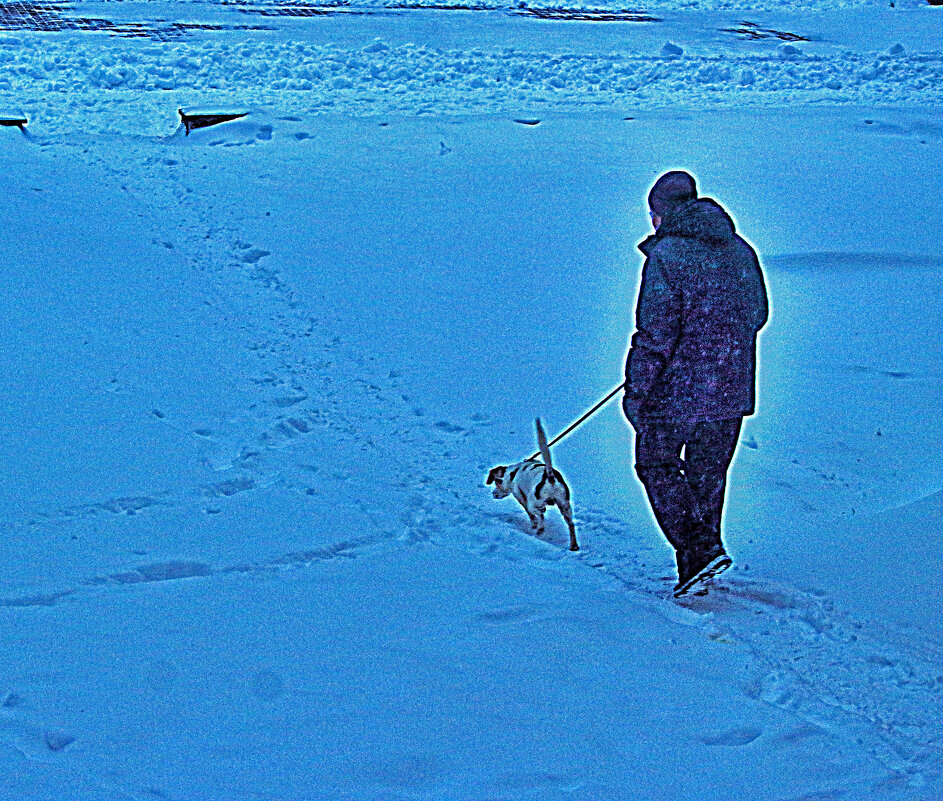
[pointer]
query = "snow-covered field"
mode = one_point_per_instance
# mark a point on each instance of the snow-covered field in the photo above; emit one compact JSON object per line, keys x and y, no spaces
{"x":253,"y":379}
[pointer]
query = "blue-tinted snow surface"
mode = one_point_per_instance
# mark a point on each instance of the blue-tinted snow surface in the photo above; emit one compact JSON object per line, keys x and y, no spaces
{"x":254,"y":377}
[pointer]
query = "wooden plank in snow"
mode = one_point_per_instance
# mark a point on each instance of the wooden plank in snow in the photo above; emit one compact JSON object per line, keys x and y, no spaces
{"x":202,"y":118}
{"x":12,"y":119}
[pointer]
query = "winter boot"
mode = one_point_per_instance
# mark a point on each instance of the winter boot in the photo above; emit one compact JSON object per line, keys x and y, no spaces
{"x":694,"y":569}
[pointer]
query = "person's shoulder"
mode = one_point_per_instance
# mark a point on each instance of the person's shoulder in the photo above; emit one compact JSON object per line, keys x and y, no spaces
{"x":675,"y":248}
{"x":746,"y":248}
{"x":667,"y":242}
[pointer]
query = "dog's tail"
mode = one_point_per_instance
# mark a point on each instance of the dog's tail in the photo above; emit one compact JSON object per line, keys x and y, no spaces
{"x":544,"y":451}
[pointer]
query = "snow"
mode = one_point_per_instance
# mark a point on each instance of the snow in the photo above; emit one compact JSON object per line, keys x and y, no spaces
{"x":424,"y":61}
{"x":254,"y":377}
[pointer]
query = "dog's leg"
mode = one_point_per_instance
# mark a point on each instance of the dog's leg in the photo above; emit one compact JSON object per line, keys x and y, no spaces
{"x":536,"y":520}
{"x":567,"y":513}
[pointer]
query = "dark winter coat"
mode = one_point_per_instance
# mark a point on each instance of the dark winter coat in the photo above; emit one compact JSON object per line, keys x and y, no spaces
{"x":701,"y":304}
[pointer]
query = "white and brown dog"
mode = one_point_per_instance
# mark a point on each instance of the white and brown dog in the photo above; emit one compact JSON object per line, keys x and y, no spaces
{"x":536,"y":486}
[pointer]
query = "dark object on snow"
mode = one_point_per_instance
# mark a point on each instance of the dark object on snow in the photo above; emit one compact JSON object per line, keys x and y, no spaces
{"x":53,"y":17}
{"x":752,"y":31}
{"x":13,"y":119}
{"x":691,"y":368}
{"x":204,"y":119}
{"x":585,"y":15}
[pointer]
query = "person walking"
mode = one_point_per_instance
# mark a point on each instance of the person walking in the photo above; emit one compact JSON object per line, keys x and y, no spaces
{"x":691,"y":368}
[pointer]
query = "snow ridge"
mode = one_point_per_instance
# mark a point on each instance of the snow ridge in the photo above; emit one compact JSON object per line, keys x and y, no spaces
{"x":50,"y":78}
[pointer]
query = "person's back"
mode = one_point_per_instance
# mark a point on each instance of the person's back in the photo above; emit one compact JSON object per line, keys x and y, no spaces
{"x":715,"y":297}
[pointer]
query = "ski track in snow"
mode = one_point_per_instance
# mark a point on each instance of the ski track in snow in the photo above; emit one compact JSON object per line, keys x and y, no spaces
{"x":879,"y":691}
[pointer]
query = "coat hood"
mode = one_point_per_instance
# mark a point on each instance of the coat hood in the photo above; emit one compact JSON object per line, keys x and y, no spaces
{"x":703,"y":219}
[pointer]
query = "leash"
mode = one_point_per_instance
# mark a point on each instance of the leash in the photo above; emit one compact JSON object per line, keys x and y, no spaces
{"x":585,"y":417}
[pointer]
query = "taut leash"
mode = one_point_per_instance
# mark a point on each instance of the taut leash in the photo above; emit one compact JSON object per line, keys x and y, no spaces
{"x":588,"y":414}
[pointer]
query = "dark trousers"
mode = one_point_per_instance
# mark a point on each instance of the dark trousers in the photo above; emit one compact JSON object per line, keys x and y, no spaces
{"x":683,"y":467}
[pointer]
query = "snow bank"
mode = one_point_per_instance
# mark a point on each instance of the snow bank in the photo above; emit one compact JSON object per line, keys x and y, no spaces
{"x":134,"y":88}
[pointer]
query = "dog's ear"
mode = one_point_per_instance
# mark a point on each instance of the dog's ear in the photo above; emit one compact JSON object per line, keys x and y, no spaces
{"x":496,"y":474}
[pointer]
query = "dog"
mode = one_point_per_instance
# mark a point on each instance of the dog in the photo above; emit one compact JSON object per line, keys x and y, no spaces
{"x":536,"y":486}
